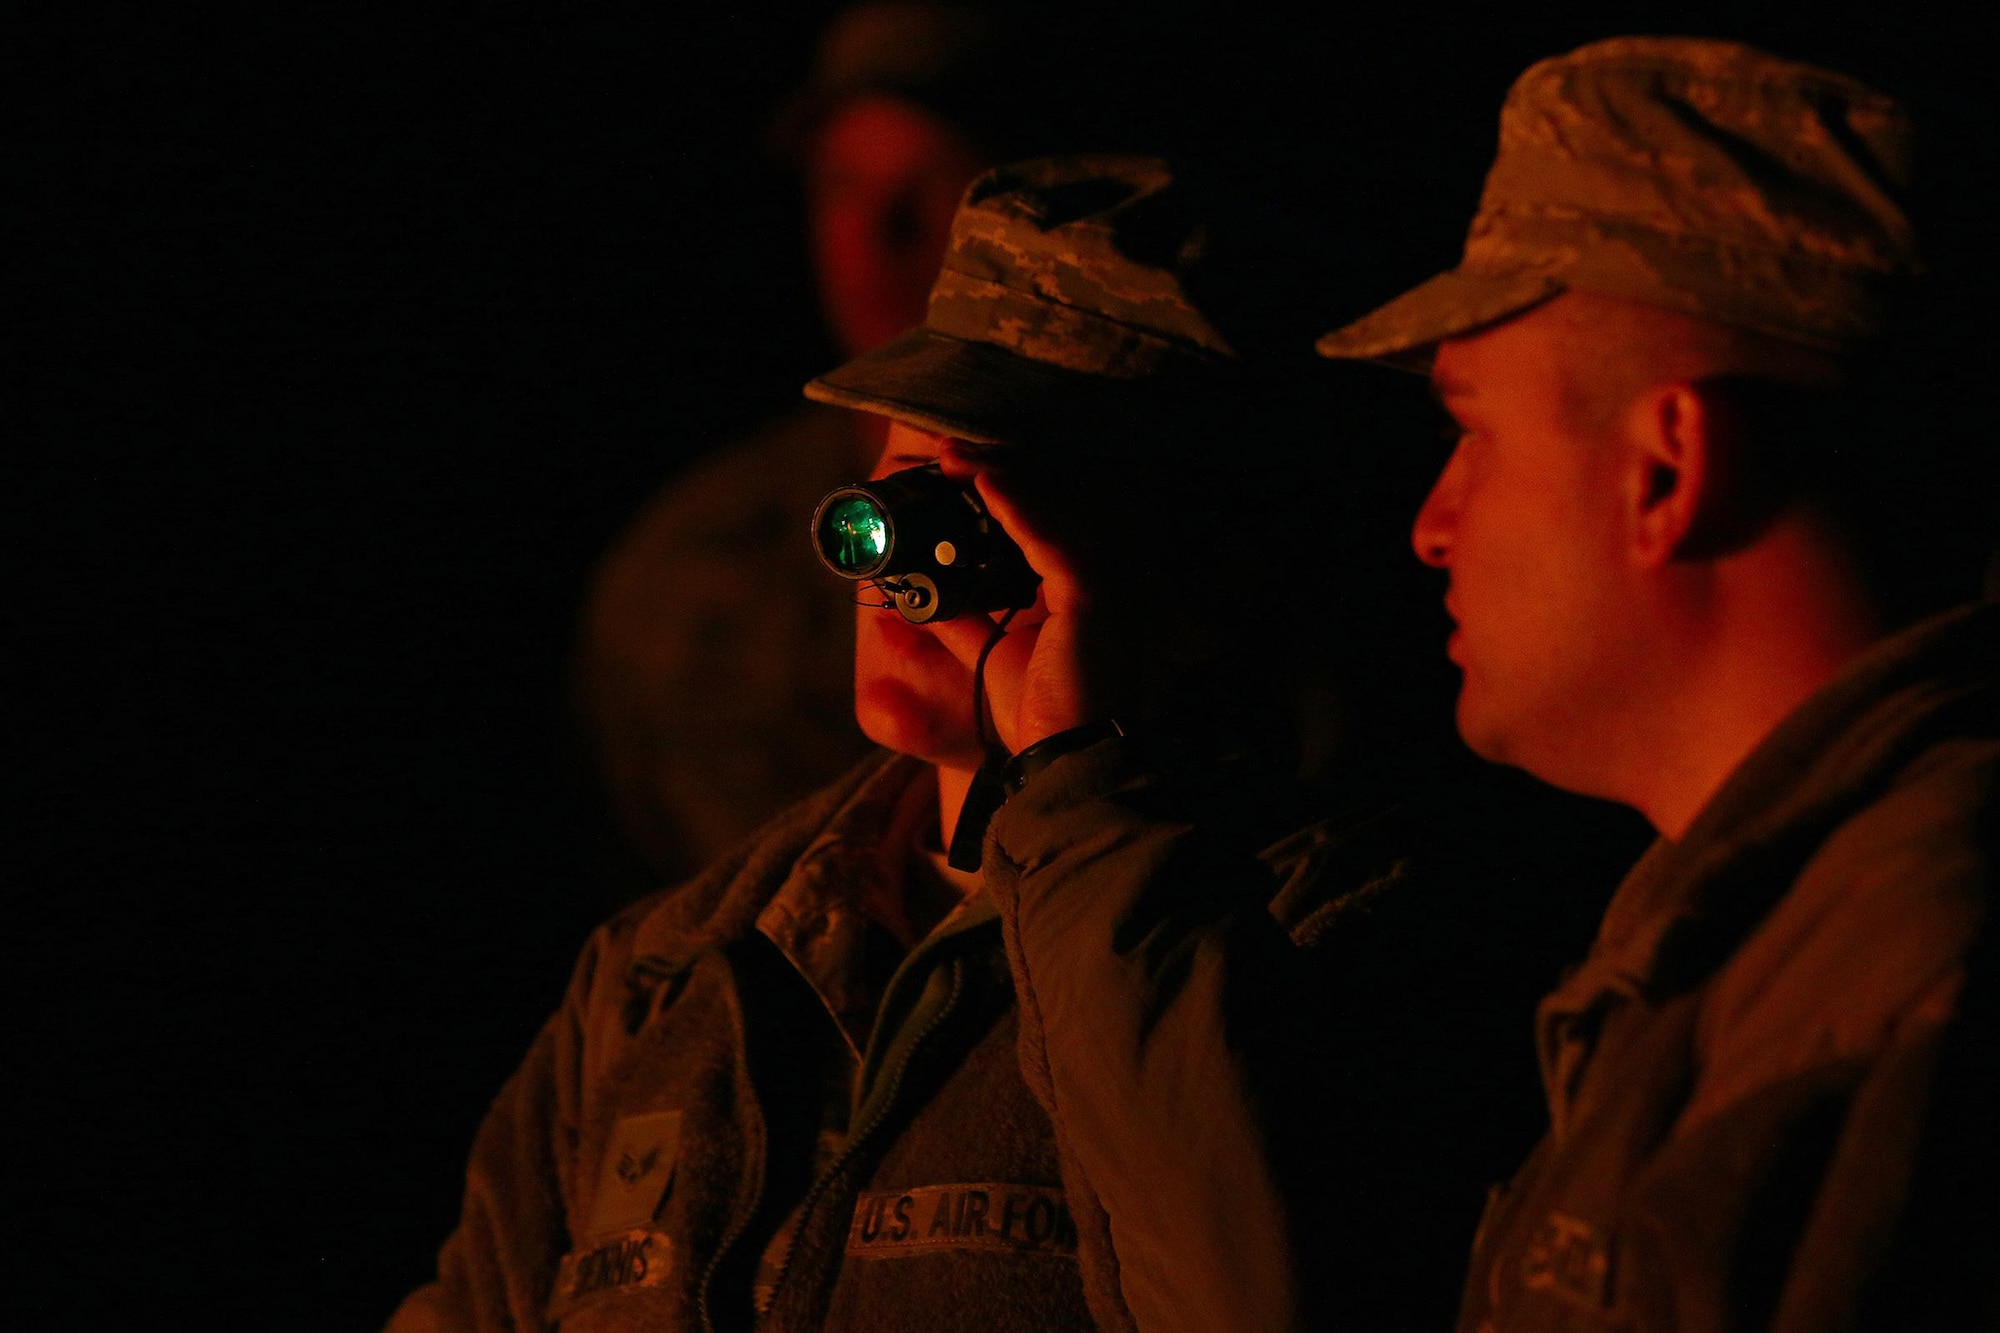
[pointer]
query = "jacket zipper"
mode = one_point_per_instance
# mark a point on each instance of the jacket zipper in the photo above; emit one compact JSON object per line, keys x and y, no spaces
{"x":857,"y":1141}
{"x":729,"y":1239}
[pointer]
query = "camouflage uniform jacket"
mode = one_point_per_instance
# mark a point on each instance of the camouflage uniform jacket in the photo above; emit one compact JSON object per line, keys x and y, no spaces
{"x":1282,"y":1083}
{"x":639,"y":1165}
{"x":1744,"y":1071}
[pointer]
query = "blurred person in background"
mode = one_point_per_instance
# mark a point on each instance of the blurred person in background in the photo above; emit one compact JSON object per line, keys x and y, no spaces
{"x":714,"y":667}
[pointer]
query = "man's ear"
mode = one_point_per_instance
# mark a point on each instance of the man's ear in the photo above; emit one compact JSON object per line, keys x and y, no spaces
{"x":1686,"y":486}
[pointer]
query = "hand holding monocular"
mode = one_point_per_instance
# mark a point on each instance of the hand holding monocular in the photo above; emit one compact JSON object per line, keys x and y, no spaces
{"x":925,"y":542}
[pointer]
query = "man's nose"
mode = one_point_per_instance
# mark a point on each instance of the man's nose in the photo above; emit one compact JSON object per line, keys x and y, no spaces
{"x":1430,"y":535}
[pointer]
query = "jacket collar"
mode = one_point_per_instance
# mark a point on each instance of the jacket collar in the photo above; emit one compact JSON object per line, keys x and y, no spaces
{"x":819,"y":916}
{"x":1687,"y":905}
{"x":723,"y":903}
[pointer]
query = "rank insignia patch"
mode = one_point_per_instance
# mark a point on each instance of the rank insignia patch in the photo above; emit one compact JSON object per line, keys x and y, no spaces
{"x":638,"y":1171}
{"x":1013,"y":1219}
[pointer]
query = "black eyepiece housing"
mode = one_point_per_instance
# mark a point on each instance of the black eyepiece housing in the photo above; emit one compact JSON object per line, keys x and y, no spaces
{"x":924,"y":541}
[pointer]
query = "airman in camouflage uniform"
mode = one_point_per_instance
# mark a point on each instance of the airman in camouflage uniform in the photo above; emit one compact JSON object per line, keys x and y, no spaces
{"x":1679,"y":526}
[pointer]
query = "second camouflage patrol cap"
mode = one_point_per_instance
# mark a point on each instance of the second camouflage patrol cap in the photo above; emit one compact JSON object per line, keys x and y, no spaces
{"x":1063,"y":291}
{"x":1705,"y":177}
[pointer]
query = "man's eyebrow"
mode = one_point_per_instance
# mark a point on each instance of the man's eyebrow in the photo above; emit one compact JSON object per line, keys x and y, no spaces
{"x":913,"y":460}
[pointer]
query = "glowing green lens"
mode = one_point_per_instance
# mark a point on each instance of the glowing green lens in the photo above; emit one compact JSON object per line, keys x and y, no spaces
{"x":854,"y":534}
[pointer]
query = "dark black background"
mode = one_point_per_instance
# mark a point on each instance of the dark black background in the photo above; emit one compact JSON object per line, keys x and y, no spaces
{"x":347,"y":340}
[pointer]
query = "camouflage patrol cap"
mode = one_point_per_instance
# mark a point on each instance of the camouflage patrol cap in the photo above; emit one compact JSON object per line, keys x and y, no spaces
{"x":1063,"y":291}
{"x":1705,"y":177}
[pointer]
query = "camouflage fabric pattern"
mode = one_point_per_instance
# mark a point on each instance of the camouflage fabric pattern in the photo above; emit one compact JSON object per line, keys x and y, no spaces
{"x":1704,"y":177}
{"x":1062,"y":275}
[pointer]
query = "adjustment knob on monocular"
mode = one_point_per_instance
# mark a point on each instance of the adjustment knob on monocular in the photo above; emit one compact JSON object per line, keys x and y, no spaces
{"x":917,"y":598}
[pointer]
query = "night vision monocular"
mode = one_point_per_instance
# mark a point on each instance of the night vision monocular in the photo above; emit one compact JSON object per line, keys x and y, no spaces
{"x":926,"y":543}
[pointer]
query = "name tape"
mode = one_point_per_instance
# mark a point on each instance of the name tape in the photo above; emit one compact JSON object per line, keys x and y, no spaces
{"x":1571,"y":1259}
{"x":631,"y":1262}
{"x":1013,"y":1219}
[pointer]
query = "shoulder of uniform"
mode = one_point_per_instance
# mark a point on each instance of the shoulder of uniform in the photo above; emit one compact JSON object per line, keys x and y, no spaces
{"x":723,"y":901}
{"x":1924,"y":849}
{"x":1883,"y":914}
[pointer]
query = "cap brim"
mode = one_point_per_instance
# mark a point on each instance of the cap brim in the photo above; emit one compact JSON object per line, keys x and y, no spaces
{"x":958,"y":387}
{"x":1405,"y":333}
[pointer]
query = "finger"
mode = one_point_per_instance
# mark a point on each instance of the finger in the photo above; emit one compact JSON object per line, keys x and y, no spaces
{"x":963,"y":636}
{"x":961,"y":459}
{"x":1005,"y":681}
{"x":966,"y":637}
{"x":1010,"y":497}
{"x":1048,"y":554}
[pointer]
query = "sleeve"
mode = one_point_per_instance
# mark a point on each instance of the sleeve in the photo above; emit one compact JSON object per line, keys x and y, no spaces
{"x":1903,"y":1230}
{"x":497,"y":1268}
{"x":1834,"y":1168}
{"x":1160,"y":1001}
{"x":1781,"y":1211}
{"x":1942,"y":1269}
{"x":1861,"y":1206}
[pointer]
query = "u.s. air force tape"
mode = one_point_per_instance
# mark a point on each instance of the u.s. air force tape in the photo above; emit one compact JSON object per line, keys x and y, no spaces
{"x":1013,"y":1219}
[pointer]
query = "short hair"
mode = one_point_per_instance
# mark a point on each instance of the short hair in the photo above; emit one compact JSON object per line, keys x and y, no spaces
{"x":1860,"y":436}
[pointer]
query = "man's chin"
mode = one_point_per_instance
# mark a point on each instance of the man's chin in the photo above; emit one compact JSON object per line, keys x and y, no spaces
{"x":1548,"y":749}
{"x":1480,"y":732}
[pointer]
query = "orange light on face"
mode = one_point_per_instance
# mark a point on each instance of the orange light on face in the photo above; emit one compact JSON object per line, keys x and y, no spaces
{"x":883,"y":181}
{"x":1523,"y":520}
{"x":910,"y":693}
